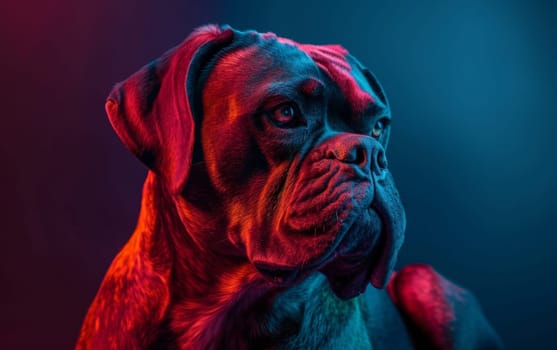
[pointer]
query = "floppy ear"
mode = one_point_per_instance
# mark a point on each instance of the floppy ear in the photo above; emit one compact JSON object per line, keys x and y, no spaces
{"x":152,"y":110}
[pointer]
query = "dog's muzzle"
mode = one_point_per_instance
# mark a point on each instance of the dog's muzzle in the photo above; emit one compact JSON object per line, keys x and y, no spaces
{"x":338,"y":217}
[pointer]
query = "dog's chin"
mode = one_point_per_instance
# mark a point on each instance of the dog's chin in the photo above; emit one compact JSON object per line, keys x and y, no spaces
{"x":349,"y":276}
{"x":356,"y":259}
{"x":349,"y":284}
{"x":279,"y":276}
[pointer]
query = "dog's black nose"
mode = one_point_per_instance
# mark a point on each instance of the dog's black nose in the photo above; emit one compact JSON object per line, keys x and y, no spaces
{"x":363,"y":151}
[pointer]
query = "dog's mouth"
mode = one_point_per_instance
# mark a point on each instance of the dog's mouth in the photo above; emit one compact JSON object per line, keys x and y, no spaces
{"x":348,"y":263}
{"x":362,"y":251}
{"x":349,"y":272}
{"x":331,"y":224}
{"x":356,"y":261}
{"x":350,"y":250}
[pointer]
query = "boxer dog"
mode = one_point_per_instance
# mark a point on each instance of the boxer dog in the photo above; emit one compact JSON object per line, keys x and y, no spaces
{"x":268,"y":210}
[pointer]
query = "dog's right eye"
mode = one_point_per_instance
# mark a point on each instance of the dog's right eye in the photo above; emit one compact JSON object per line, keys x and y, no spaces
{"x":286,"y":115}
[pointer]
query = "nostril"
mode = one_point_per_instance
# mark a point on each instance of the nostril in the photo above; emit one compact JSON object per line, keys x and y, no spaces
{"x":355,"y":155}
{"x":379,"y":165}
{"x":381,"y":160}
{"x":360,"y":156}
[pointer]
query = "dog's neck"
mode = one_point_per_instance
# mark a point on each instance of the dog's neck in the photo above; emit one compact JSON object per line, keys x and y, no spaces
{"x":218,"y":297}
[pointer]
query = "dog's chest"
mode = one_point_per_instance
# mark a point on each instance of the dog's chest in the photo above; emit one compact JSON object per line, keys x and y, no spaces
{"x":306,"y":316}
{"x":326,"y":322}
{"x":330,"y":324}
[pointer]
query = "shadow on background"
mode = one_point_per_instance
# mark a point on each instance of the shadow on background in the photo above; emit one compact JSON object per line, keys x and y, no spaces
{"x":472,"y":89}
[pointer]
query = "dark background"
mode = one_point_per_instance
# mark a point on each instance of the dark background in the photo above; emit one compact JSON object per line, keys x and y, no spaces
{"x":472,"y":87}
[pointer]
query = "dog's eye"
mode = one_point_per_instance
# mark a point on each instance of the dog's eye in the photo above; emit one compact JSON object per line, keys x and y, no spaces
{"x":378,"y":129}
{"x":286,"y":115}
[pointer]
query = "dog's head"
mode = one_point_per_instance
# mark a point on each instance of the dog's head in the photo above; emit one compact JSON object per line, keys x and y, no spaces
{"x":281,"y":144}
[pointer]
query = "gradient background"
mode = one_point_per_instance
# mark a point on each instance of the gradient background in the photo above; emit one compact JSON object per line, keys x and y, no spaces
{"x":472,"y":88}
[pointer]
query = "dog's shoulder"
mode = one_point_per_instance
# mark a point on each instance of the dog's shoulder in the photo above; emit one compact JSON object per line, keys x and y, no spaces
{"x":440,"y":314}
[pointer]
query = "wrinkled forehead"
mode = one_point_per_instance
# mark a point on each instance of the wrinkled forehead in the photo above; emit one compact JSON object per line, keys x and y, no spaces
{"x":262,"y":64}
{"x":347,"y":74}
